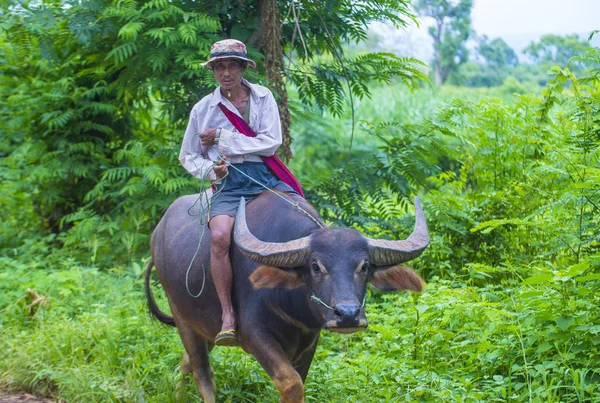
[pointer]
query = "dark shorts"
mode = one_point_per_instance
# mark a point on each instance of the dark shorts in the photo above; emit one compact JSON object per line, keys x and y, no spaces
{"x":227,"y":196}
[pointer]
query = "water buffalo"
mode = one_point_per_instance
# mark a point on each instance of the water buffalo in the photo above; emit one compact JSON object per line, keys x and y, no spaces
{"x":292,"y":278}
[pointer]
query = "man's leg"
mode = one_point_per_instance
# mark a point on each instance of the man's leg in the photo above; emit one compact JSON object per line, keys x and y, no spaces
{"x":220,"y":240}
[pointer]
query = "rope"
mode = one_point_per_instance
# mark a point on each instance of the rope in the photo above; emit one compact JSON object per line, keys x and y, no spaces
{"x":314,"y":297}
{"x":293,"y":203}
{"x":205,"y":212}
{"x":202,"y":224}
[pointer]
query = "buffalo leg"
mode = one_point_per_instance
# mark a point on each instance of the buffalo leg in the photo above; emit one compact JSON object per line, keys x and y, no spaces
{"x":302,"y":363}
{"x":185,"y":368}
{"x":272,"y":358}
{"x":196,"y":360}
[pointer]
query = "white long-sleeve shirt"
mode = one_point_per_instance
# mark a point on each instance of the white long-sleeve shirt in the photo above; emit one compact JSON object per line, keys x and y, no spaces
{"x":238,"y":148}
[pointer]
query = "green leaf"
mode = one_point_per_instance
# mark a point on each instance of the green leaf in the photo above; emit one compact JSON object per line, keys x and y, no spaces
{"x":130,"y":30}
{"x":488,"y":226}
{"x":384,"y":331}
{"x":531,"y":294}
{"x":577,"y":269}
{"x":564,"y":322}
{"x":589,"y":277}
{"x":187,"y":32}
{"x":539,"y":279}
{"x":421,"y":308}
{"x":542,"y":348}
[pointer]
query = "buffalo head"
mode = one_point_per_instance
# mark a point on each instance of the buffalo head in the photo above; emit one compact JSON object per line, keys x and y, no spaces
{"x":335,"y":265}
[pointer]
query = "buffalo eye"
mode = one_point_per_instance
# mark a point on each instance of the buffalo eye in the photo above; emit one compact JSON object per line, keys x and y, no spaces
{"x":365,"y":267}
{"x":315,"y":267}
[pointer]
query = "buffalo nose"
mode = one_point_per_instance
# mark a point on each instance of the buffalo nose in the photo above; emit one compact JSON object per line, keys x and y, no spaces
{"x":347,"y":315}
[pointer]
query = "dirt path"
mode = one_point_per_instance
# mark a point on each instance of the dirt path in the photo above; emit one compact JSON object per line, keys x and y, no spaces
{"x":20,"y":397}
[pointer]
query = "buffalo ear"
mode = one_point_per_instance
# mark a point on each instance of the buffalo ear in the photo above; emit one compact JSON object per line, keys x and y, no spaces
{"x":396,"y":278}
{"x":271,"y":277}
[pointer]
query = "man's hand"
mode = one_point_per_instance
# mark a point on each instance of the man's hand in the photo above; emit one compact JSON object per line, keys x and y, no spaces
{"x":208,"y":137}
{"x":220,"y":168}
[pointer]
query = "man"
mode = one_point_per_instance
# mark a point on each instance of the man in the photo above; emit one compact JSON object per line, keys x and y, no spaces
{"x":237,"y":124}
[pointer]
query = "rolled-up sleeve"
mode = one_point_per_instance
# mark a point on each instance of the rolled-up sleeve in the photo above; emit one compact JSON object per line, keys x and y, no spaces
{"x":191,"y":154}
{"x":268,"y":135}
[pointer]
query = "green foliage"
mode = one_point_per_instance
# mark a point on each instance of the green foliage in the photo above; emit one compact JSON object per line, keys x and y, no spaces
{"x":497,"y":53}
{"x":525,"y":78}
{"x":82,"y":137}
{"x":496,"y":62}
{"x":450,"y":32}
{"x":556,"y":49}
{"x":323,"y":26}
{"x":139,"y":188}
{"x":77,"y":333}
{"x":326,"y":81}
{"x":95,"y":96}
{"x":472,"y":74}
{"x":62,"y":121}
{"x":321,"y":72}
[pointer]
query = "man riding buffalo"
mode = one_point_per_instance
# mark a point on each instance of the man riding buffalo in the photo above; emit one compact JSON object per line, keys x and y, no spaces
{"x":238,"y":122}
{"x":287,"y":275}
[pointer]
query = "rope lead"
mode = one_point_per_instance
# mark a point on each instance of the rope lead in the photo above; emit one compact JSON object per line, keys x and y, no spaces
{"x":205,"y":212}
{"x":314,"y":297}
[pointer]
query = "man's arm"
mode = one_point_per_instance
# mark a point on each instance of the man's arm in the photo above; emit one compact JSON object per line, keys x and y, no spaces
{"x":191,"y":154}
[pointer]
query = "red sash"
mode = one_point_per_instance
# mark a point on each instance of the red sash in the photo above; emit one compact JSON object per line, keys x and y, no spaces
{"x":273,"y":162}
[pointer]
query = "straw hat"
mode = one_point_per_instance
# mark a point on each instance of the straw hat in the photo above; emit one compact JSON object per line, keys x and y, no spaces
{"x":227,"y":49}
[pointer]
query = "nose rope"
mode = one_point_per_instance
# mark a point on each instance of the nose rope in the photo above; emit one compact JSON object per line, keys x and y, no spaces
{"x":314,"y":297}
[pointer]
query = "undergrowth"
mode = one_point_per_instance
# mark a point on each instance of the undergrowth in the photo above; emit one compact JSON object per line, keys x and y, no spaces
{"x":78,"y":333}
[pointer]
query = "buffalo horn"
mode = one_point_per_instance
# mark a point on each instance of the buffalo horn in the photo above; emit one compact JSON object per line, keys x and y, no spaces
{"x":285,"y":254}
{"x":384,"y":253}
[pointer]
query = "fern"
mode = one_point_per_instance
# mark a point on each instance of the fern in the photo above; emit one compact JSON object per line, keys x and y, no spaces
{"x":187,"y":32}
{"x":61,"y":120}
{"x":174,"y":184}
{"x":118,"y":174}
{"x":159,"y":34}
{"x":133,"y":187}
{"x":131,"y":30}
{"x":123,"y":52}
{"x":325,"y":82}
{"x":158,"y":60}
{"x":154,"y":174}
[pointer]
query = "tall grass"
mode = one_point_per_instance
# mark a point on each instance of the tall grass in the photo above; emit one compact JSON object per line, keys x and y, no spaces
{"x":91,"y":340}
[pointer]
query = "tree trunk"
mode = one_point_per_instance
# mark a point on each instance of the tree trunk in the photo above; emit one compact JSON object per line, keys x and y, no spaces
{"x":437,"y":70}
{"x":437,"y":57}
{"x":271,"y":46}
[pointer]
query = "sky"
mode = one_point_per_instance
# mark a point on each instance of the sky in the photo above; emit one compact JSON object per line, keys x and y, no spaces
{"x":535,"y":17}
{"x":518,"y":22}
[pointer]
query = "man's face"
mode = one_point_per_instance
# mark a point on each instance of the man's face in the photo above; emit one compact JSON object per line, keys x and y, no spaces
{"x":228,"y":72}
